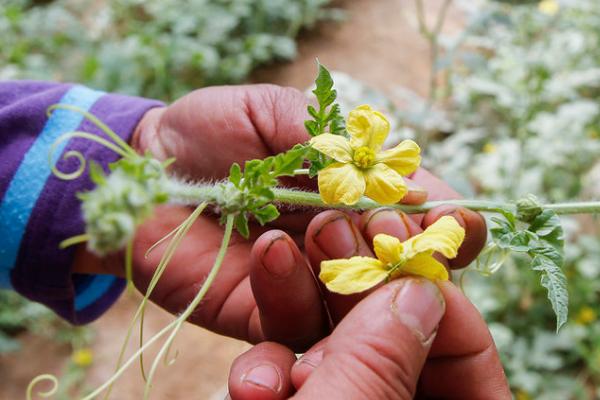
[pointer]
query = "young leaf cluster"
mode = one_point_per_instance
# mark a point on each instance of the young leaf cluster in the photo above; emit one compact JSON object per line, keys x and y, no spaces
{"x":542,"y":239}
{"x":121,"y":200}
{"x":249,"y":192}
{"x":328,"y":119}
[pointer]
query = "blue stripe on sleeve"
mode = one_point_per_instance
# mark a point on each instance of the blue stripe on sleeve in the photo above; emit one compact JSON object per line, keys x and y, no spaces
{"x":94,"y":290}
{"x":31,"y":176}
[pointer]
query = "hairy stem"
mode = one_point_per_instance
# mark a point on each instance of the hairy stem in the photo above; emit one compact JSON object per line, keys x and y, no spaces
{"x":194,"y":194}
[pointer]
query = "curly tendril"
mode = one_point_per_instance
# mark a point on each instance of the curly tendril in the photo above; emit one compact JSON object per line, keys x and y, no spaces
{"x":76,"y":154}
{"x":41,"y":378}
{"x":99,"y":124}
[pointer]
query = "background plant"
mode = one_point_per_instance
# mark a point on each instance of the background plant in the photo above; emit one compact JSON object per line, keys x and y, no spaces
{"x":516,"y":112}
{"x":158,"y":48}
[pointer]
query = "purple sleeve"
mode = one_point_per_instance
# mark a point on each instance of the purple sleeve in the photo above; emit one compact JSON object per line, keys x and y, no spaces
{"x":39,"y":210}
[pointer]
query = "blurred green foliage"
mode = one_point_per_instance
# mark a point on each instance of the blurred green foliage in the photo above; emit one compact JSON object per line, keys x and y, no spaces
{"x":154,"y":48}
{"x":522,"y":106}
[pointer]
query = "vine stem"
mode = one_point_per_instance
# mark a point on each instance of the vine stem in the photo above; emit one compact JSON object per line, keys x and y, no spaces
{"x":194,"y":194}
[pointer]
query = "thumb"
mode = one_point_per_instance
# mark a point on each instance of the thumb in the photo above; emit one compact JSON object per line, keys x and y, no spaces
{"x":380,"y":347}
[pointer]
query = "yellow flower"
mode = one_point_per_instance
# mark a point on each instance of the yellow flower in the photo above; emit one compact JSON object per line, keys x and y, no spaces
{"x":549,"y":7}
{"x":361,"y":167}
{"x":522,"y":395}
{"x":489,"y":148}
{"x":395,"y":258}
{"x":586,"y":316}
{"x":83,"y":357}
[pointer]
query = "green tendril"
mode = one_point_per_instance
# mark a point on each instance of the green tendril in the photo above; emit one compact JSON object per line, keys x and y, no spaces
{"x":74,"y":240}
{"x":179,"y":233}
{"x":101,"y":125}
{"x":195,"y":302}
{"x":129,"y":266}
{"x":76,"y":154}
{"x":41,"y":378}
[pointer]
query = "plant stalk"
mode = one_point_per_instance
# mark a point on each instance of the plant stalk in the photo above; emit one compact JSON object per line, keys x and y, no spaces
{"x":195,"y":194}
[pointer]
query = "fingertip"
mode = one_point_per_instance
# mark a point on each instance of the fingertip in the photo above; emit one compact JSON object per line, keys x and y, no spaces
{"x":416,"y":194}
{"x":263,"y":372}
{"x":388,"y":221}
{"x":286,"y":292}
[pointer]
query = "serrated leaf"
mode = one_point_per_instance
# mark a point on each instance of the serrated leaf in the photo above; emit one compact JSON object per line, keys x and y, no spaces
{"x":312,"y":127}
{"x":312,"y":112}
{"x":555,"y":281}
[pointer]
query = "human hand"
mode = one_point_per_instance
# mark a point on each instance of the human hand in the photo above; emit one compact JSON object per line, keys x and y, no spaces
{"x":206,"y":131}
{"x":395,"y":344}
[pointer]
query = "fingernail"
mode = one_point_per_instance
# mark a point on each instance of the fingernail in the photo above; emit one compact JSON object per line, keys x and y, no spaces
{"x":265,"y":376}
{"x":389,"y":222}
{"x":420,"y":306}
{"x":312,"y":359}
{"x":413,"y":187}
{"x":337,"y":238}
{"x":278,"y":258}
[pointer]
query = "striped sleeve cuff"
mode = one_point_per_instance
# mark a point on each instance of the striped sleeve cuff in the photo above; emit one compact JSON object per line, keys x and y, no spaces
{"x":39,"y":210}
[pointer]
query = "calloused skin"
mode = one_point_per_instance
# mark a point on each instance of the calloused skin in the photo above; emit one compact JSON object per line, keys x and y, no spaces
{"x":257,"y":296}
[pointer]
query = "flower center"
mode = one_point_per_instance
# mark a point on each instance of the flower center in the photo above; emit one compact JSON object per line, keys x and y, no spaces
{"x":364,"y":157}
{"x":395,"y":269}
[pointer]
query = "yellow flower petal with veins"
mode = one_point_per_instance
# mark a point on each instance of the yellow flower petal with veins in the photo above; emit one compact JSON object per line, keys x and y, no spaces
{"x":395,"y":258}
{"x":352,"y":276}
{"x":404,"y":158}
{"x":367,"y":128}
{"x":334,"y":146}
{"x":384,"y":185}
{"x":444,"y":236}
{"x":341,"y":183}
{"x":426,"y":266}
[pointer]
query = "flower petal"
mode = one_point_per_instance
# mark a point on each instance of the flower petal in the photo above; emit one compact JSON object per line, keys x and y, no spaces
{"x":444,"y":236}
{"x":384,"y":185}
{"x":352,"y":276}
{"x":367,"y":128}
{"x":404,"y":158}
{"x":334,"y":146}
{"x":426,"y":266}
{"x":388,"y":249}
{"x":341,"y":183}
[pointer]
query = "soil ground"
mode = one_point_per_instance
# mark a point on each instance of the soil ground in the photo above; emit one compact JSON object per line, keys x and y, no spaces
{"x":379,"y":44}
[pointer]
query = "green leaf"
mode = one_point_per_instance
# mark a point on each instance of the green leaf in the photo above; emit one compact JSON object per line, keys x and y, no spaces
{"x":266,"y":214}
{"x":97,"y":173}
{"x":555,"y":281}
{"x":235,"y":174}
{"x":241,"y":225}
{"x":324,"y":84}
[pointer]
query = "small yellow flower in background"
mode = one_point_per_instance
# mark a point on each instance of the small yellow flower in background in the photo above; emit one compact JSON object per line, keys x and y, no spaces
{"x":489,"y":148}
{"x":83,"y":357}
{"x":586,"y":316}
{"x":361,"y":167}
{"x":549,"y":7}
{"x":395,"y":258}
{"x":522,"y":395}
